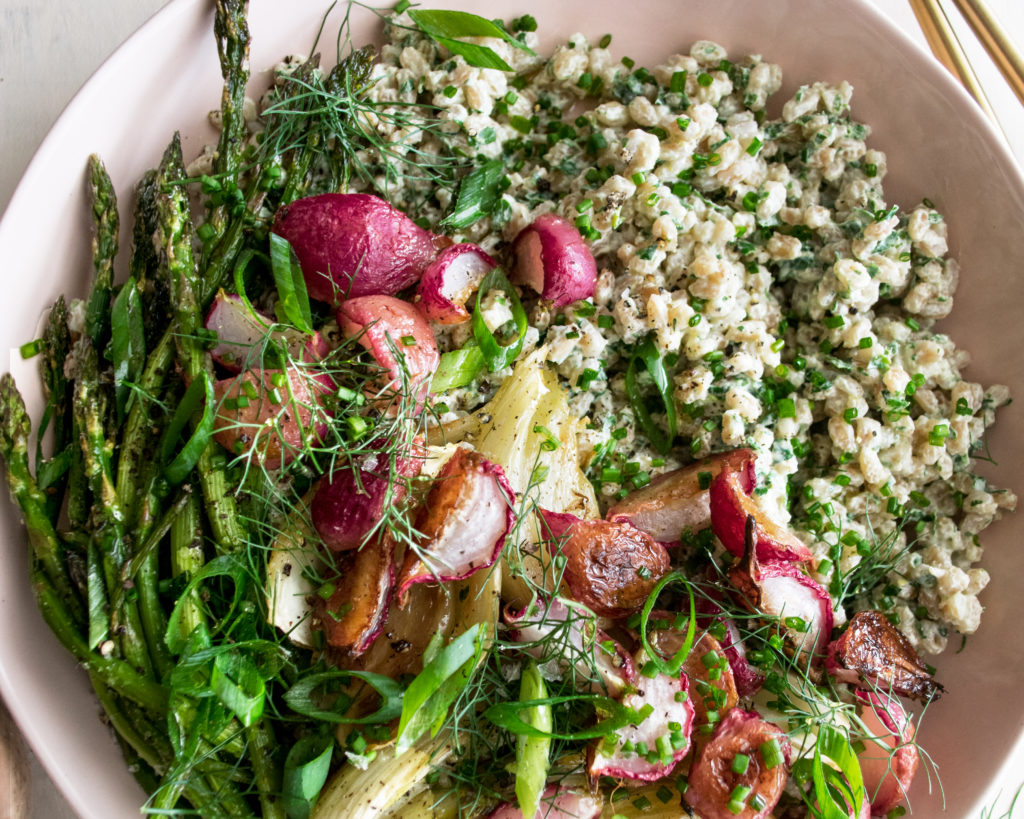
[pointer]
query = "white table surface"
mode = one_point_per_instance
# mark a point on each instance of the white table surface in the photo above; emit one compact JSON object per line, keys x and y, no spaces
{"x":48,"y":49}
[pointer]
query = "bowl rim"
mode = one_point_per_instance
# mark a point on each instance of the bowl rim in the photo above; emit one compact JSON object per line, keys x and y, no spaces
{"x":175,"y":12}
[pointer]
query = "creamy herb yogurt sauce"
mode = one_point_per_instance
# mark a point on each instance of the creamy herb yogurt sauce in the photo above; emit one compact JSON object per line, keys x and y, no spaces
{"x":793,"y":305}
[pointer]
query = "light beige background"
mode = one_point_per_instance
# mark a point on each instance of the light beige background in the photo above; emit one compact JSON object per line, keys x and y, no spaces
{"x":49,"y":48}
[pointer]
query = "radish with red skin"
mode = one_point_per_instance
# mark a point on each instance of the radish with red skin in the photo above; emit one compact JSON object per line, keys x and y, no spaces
{"x":778,"y":589}
{"x":748,"y":679}
{"x":668,"y":641}
{"x":241,"y":331}
{"x":463,"y":522}
{"x":788,"y":593}
{"x":730,"y":507}
{"x":610,"y":567}
{"x":873,"y":653}
{"x":450,"y":280}
{"x":678,"y":501}
{"x":887,"y":769}
{"x":354,"y":612}
{"x":552,"y":259}
{"x":387,"y":326}
{"x":278,"y":422}
{"x":670,"y":697}
{"x":712,"y":778}
{"x":557,"y":802}
{"x":536,"y":623}
{"x":346,"y":507}
{"x":354,"y":244}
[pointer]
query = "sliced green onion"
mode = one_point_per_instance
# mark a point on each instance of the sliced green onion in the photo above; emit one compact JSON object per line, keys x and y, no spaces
{"x":648,"y":355}
{"x":771,"y":753}
{"x":457,"y":368}
{"x":31,"y":348}
{"x":479,"y":193}
{"x":426,"y":701}
{"x":496,"y":355}
{"x":293,"y":298}
{"x":532,"y":753}
{"x":199,"y":394}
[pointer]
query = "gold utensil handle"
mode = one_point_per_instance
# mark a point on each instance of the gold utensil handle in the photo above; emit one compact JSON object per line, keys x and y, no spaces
{"x":946,"y":47}
{"x":996,"y":42}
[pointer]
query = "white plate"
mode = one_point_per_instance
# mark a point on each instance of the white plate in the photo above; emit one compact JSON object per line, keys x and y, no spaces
{"x":939,"y":146}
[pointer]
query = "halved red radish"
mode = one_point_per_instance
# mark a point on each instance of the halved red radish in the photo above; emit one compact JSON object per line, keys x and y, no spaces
{"x":557,"y":802}
{"x":354,"y":244}
{"x":553,"y":628}
{"x":712,"y":685}
{"x":450,"y":280}
{"x":552,"y":259}
{"x":273,"y":413}
{"x":778,"y":589}
{"x":350,"y":503}
{"x":242,"y":336}
{"x":873,"y":654}
{"x":888,"y":768}
{"x":747,"y":678}
{"x":714,"y":778}
{"x":352,"y":609}
{"x":463,"y":522}
{"x":678,"y":501}
{"x":397,"y":335}
{"x":609,"y":567}
{"x":651,"y":748}
{"x":730,"y":507}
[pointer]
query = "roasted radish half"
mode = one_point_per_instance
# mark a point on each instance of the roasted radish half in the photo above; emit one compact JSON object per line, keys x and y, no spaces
{"x":678,"y":501}
{"x":397,"y":336}
{"x":872,"y":654}
{"x":462,"y":524}
{"x":450,"y":280}
{"x":718,"y":790}
{"x":609,"y":567}
{"x":273,"y":414}
{"x":552,"y":259}
{"x":730,"y":507}
{"x":712,"y":686}
{"x":889,"y":759}
{"x":351,"y":609}
{"x":649,"y":749}
{"x":554,"y":630}
{"x":350,"y":503}
{"x":243,"y":336}
{"x":354,"y":244}
{"x":778,"y":589}
{"x":712,"y":618}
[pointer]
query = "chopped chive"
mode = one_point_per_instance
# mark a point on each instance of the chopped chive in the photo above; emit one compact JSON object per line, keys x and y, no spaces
{"x":771,"y":753}
{"x":357,"y":426}
{"x":31,"y":349}
{"x":785,"y":408}
{"x":740,"y":763}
